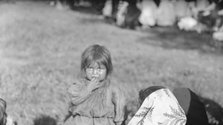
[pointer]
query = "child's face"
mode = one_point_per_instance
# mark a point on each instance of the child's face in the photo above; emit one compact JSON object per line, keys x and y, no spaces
{"x":96,"y":72}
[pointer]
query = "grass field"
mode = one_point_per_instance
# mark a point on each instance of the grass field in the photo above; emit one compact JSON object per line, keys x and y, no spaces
{"x":40,"y":49}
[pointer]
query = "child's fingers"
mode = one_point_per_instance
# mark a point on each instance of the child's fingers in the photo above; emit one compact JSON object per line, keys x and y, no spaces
{"x":94,"y":79}
{"x":95,"y":82}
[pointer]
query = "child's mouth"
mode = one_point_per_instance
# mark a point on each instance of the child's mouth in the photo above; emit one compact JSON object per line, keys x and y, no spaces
{"x":94,"y":77}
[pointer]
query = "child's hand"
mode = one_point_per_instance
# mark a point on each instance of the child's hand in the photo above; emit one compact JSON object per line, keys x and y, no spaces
{"x":94,"y":84}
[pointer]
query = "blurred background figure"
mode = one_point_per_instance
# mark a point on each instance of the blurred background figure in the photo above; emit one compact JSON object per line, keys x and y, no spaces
{"x":107,"y":10}
{"x":187,"y":23}
{"x":199,"y":5}
{"x":64,"y":4}
{"x":148,"y":13}
{"x":132,"y":15}
{"x":166,"y":15}
{"x":110,"y":10}
{"x":128,"y":14}
{"x":182,"y":9}
{"x":121,"y":14}
{"x":218,"y":35}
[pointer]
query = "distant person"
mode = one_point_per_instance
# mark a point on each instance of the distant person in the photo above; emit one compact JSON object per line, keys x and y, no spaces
{"x":128,"y":14}
{"x":158,"y":107}
{"x":165,"y":13}
{"x":95,"y":100}
{"x":147,"y":17}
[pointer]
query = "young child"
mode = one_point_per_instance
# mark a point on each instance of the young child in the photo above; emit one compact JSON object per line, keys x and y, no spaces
{"x":94,"y":99}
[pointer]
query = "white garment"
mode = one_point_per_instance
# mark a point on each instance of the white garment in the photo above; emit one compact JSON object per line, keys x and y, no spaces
{"x":159,"y":108}
{"x":122,"y":10}
{"x":148,"y":13}
{"x":218,"y":35}
{"x":220,"y":13}
{"x":166,"y":15}
{"x":107,"y":10}
{"x":187,"y":23}
{"x":202,"y":4}
{"x":182,"y":9}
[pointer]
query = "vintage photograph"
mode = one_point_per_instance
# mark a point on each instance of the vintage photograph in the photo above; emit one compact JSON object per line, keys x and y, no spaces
{"x":111,"y":62}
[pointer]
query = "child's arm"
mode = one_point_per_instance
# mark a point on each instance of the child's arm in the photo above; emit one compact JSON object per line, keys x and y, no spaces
{"x":79,"y":92}
{"x":118,"y":100}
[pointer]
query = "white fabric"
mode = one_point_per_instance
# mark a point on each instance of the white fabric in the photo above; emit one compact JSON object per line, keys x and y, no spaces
{"x":107,"y":10}
{"x":187,"y":23}
{"x":148,"y":13}
{"x":182,"y":9}
{"x":166,"y":14}
{"x":218,"y":35}
{"x":220,"y":13}
{"x":122,"y":10}
{"x":159,"y":108}
{"x":202,"y":4}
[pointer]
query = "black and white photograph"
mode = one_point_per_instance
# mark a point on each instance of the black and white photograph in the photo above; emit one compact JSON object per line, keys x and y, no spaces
{"x":111,"y":62}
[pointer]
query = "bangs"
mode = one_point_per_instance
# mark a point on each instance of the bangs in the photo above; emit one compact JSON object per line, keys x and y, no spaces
{"x":100,"y":60}
{"x":96,"y":54}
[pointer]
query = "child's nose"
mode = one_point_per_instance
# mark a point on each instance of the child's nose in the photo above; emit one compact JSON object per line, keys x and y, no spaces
{"x":95,"y":71}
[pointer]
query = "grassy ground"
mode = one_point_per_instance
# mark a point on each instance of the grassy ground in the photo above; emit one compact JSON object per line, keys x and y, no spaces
{"x":40,"y":49}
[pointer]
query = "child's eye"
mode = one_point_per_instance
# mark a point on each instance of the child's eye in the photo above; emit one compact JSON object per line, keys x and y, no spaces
{"x":101,"y":68}
{"x":90,"y":68}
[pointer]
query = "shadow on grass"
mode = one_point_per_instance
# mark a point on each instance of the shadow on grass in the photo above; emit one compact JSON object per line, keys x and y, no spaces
{"x":86,"y":9}
{"x":166,"y":37}
{"x":45,"y":120}
{"x":173,"y":38}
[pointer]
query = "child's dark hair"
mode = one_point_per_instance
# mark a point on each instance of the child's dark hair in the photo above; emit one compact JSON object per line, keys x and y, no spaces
{"x":98,"y":54}
{"x":146,"y":92}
